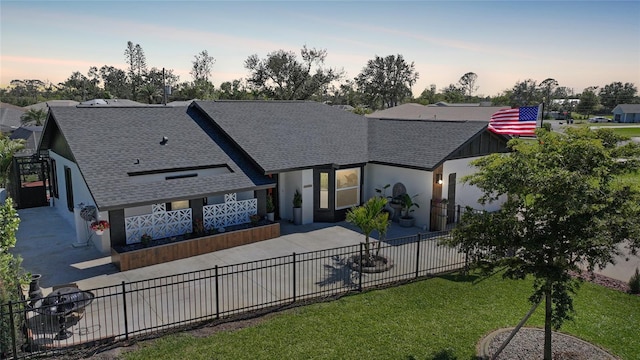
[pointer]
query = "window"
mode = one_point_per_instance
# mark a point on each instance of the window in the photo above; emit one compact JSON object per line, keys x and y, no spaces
{"x":54,"y":179}
{"x":324,"y":190}
{"x":347,"y":188}
{"x":69,"y":187}
{"x":177,"y":205}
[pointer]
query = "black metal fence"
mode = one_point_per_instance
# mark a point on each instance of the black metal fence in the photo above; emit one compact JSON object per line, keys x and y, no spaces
{"x":147,"y":307}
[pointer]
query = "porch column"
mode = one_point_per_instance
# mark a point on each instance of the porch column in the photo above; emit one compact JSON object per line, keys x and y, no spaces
{"x":117,"y":228}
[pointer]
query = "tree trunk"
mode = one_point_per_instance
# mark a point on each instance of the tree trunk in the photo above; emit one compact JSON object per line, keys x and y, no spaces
{"x":547,"y":323}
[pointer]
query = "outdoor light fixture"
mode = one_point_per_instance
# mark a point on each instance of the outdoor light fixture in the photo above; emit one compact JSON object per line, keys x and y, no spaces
{"x":439,"y":179}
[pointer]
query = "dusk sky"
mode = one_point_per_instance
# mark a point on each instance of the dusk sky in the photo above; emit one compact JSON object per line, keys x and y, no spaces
{"x":578,"y":43}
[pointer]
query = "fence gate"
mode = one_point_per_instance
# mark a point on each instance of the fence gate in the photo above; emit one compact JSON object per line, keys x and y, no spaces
{"x":30,"y":181}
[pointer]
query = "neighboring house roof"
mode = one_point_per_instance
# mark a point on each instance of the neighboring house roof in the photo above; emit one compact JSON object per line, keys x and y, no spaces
{"x":628,"y":108}
{"x":31,"y":137}
{"x":10,"y":117}
{"x":421,"y":144}
{"x":112,"y":102}
{"x":47,"y":104}
{"x":344,"y":107}
{"x":414,"y":111}
{"x":116,"y":148}
{"x":444,"y":103}
{"x":285,"y":135}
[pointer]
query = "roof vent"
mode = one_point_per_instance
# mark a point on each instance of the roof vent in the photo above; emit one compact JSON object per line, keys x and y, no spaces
{"x":164,"y":141}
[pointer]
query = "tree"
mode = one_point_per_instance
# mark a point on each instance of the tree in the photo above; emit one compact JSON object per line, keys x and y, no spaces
{"x":567,"y":205}
{"x":468,"y":84}
{"x":588,"y":101}
{"x":134,"y":55}
{"x":234,"y":90}
{"x":429,"y":96}
{"x":8,"y":148}
{"x":616,"y":93}
{"x":34,"y":116}
{"x":547,"y":89}
{"x":114,"y":81}
{"x":11,"y":275}
{"x":370,"y":217}
{"x":281,"y":76}
{"x":202,"y":66}
{"x":524,"y":93}
{"x":453,"y":94}
{"x":387,"y":81}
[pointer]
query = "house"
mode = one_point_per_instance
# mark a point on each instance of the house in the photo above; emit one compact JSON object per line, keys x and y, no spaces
{"x":31,"y":137}
{"x":626,"y":113}
{"x":10,"y":117}
{"x":412,"y":111}
{"x":136,"y":164}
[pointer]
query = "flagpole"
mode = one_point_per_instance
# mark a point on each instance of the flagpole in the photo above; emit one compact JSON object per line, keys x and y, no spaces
{"x":542,"y":115}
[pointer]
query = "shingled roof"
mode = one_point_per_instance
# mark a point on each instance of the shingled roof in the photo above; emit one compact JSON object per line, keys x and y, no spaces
{"x":413,"y":111}
{"x":113,"y":145}
{"x":419,"y":144}
{"x":286,"y":135}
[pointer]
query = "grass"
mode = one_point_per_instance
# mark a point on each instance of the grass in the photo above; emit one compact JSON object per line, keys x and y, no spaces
{"x":440,"y":318}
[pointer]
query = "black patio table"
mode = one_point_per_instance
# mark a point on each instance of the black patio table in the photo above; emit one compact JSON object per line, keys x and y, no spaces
{"x":61,"y":303}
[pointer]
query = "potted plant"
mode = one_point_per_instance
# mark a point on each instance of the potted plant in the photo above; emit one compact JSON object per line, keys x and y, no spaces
{"x":255,"y":218}
{"x":406,"y":220}
{"x":145,"y":239}
{"x":99,"y":226}
{"x":297,"y":208}
{"x":270,"y":208}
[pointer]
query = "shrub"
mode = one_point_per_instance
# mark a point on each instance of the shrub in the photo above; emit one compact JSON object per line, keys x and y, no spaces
{"x":634,"y":282}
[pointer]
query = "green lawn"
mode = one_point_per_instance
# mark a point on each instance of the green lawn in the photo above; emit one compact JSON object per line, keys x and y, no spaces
{"x":440,"y":318}
{"x":631,"y":132}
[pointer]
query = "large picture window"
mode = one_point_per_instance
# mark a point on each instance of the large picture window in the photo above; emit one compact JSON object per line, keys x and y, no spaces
{"x":347,"y":188}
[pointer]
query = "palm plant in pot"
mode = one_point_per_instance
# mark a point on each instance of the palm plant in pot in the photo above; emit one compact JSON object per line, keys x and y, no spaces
{"x":270,"y":208}
{"x":406,"y":220}
{"x":297,"y":208}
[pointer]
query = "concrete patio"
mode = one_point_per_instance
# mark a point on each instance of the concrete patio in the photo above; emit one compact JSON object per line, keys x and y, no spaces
{"x":45,"y":243}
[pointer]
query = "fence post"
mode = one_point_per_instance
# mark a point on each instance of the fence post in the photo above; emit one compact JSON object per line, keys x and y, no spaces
{"x":217,"y":293}
{"x":124,"y":307}
{"x":360,"y":268}
{"x":418,"y":255}
{"x":294,"y":276}
{"x":13,"y":331}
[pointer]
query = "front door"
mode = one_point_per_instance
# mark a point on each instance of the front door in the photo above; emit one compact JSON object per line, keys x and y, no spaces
{"x":323,"y":199}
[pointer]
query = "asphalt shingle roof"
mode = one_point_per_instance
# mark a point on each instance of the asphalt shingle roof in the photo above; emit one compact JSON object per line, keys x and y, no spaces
{"x":282,"y":135}
{"x":412,"y":111}
{"x":107,"y":141}
{"x":629,"y":108}
{"x":418,"y":144}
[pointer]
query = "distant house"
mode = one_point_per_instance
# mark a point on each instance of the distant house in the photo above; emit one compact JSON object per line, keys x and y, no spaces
{"x":134,"y":163}
{"x":626,"y":113}
{"x":31,"y":137}
{"x":457,"y":112}
{"x":10,"y":117}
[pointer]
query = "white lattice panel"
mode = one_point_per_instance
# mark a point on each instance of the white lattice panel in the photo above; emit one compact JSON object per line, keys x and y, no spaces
{"x":231,"y":212}
{"x":160,"y":224}
{"x":162,"y":207}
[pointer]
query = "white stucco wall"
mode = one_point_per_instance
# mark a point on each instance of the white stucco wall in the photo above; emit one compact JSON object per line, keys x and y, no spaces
{"x":288,"y":182}
{"x":416,"y":182}
{"x":466,"y":195}
{"x":81,"y":195}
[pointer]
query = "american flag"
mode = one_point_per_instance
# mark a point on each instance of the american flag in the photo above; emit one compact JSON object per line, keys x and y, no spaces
{"x":520,"y":121}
